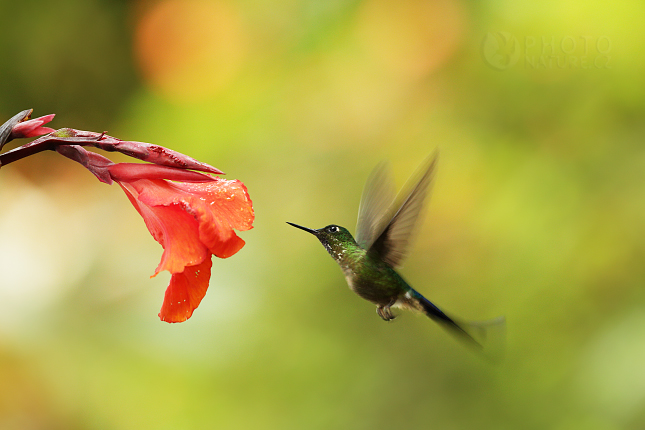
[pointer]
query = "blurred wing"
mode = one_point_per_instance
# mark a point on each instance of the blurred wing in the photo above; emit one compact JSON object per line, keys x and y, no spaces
{"x":378,"y":195}
{"x":394,"y":237}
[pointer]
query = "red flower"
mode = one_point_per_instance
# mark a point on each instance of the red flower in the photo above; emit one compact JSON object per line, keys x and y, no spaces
{"x":32,"y":127}
{"x":192,"y":218}
{"x":191,"y":221}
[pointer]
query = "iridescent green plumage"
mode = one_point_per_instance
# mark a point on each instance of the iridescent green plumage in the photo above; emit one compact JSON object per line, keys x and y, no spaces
{"x":383,"y":233}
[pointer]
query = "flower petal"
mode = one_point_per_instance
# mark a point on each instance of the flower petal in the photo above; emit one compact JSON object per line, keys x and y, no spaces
{"x":219,"y":206}
{"x":185,"y":292}
{"x":234,"y":210}
{"x":128,"y":172}
{"x":174,"y":228}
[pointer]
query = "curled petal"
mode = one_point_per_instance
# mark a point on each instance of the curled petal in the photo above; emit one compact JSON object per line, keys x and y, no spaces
{"x":128,"y":172}
{"x":185,"y":292}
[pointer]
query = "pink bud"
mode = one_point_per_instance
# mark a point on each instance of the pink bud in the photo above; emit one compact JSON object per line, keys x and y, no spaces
{"x":32,"y":127}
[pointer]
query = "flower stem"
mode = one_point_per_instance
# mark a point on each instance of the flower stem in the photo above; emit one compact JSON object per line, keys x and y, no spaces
{"x":44,"y":143}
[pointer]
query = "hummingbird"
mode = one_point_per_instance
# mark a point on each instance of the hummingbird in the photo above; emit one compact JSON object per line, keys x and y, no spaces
{"x":383,"y":233}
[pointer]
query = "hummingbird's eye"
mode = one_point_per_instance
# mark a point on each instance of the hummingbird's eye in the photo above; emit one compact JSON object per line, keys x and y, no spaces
{"x":333,"y":229}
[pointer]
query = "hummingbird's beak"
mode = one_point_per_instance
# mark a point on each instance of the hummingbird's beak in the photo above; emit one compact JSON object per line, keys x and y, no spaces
{"x":303,"y":228}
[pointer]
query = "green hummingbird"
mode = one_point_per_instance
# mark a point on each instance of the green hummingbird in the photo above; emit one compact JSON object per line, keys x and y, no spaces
{"x":383,"y":232}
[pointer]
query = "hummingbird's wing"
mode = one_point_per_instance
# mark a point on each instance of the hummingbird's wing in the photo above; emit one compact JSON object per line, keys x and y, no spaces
{"x":394,"y":230}
{"x":378,"y":195}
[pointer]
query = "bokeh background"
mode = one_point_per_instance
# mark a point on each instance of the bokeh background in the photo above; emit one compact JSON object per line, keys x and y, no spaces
{"x":536,"y":213}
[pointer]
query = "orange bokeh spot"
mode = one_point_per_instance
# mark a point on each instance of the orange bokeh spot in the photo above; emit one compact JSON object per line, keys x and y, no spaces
{"x":412,"y":37}
{"x":188,"y":50}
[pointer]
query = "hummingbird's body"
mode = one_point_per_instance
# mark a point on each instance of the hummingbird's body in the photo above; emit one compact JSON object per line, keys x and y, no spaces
{"x":383,"y":233}
{"x":370,"y":277}
{"x":367,"y":275}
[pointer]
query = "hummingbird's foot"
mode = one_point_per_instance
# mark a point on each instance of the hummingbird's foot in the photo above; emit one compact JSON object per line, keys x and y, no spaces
{"x":385,"y":312}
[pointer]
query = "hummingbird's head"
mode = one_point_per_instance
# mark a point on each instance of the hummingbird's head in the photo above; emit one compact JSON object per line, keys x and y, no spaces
{"x":335,"y":239}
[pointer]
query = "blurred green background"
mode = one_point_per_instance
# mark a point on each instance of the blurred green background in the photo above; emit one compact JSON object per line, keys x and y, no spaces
{"x":536,"y":214}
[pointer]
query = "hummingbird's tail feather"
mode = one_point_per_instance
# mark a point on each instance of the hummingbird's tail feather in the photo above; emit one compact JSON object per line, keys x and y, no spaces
{"x":487,"y":336}
{"x":490,"y":335}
